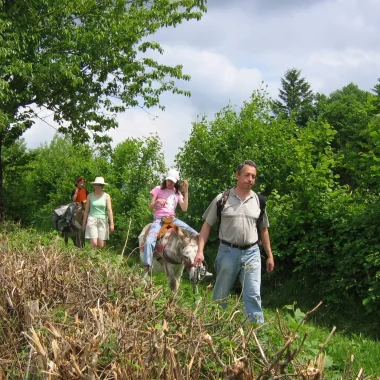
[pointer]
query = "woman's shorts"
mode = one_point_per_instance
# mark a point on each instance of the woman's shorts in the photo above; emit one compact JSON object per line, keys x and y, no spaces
{"x":97,"y":228}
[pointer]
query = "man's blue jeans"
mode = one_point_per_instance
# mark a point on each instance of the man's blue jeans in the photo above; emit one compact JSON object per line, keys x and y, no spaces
{"x":231,"y":263}
{"x":151,"y":239}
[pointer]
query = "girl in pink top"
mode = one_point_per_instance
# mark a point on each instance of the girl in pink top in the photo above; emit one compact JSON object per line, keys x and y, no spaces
{"x":164,"y":201}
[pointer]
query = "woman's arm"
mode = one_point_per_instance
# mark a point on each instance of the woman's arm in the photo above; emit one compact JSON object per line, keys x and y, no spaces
{"x":153,"y":203}
{"x":184,"y":202}
{"x":110,"y":212}
{"x":86,"y":211}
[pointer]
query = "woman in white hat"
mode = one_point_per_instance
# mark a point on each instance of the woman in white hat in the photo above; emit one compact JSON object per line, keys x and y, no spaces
{"x":164,"y":201}
{"x":95,"y":222}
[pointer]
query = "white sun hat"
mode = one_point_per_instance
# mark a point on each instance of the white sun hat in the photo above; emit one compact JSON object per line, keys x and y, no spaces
{"x":99,"y":181}
{"x":173,"y":175}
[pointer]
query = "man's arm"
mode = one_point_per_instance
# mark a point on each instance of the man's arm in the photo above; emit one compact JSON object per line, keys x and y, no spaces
{"x":264,"y":234}
{"x":203,"y":236}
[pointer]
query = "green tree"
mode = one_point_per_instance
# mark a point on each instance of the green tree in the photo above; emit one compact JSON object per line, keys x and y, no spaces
{"x":83,"y":61}
{"x":350,"y":111}
{"x":48,"y":179}
{"x":296,"y":98}
{"x":376,"y":90}
{"x":18,"y":160}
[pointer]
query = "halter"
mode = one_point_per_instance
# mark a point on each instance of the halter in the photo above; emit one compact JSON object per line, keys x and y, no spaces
{"x":200,"y":270}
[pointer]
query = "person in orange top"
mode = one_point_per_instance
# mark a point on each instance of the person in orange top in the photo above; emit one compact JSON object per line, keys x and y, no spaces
{"x":80,"y":193}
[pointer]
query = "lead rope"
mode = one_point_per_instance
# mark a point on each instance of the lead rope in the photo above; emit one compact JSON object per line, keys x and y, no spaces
{"x":196,"y":279}
{"x":199,"y":275}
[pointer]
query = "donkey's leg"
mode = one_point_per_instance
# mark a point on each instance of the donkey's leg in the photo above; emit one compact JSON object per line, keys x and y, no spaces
{"x":82,"y":239}
{"x":174,"y":273}
{"x":76,"y":239}
{"x":66,"y":238}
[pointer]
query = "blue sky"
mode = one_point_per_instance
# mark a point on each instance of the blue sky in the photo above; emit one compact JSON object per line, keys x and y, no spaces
{"x":239,"y":44}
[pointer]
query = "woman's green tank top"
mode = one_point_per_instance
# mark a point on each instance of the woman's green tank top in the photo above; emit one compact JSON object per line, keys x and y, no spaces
{"x":98,"y":206}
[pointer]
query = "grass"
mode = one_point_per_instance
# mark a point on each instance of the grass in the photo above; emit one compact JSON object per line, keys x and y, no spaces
{"x":96,"y":317}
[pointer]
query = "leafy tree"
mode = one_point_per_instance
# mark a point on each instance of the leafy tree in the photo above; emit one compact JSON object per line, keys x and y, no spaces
{"x":48,"y":179}
{"x":18,"y":161}
{"x":376,"y":90}
{"x":296,"y":98}
{"x":350,"y":110}
{"x":84,"y":61}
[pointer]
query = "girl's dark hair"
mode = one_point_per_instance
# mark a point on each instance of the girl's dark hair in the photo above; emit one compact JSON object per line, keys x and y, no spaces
{"x":176,"y":186}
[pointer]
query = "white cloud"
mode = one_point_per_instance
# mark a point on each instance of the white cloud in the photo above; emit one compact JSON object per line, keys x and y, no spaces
{"x":351,"y":58}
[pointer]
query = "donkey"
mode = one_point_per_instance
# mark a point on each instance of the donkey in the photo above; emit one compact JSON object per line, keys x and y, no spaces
{"x":174,"y":252}
{"x":74,"y":230}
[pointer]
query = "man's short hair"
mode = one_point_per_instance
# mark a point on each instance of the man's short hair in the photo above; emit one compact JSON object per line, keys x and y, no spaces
{"x":246,"y":162}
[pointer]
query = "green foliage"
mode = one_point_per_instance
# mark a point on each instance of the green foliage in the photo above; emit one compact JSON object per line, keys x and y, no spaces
{"x":48,"y":179}
{"x":350,"y":112}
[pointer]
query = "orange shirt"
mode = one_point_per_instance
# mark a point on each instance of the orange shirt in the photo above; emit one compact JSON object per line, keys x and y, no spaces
{"x":81,"y":195}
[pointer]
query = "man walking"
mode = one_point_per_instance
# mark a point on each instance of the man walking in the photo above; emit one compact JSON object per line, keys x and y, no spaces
{"x":239,"y":253}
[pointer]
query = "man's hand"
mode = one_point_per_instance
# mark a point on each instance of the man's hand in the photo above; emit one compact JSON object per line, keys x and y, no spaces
{"x":198,"y":260}
{"x":270,"y":264}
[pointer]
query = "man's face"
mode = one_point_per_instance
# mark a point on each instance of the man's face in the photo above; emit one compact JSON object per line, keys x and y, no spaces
{"x":246,"y":179}
{"x":80,"y":184}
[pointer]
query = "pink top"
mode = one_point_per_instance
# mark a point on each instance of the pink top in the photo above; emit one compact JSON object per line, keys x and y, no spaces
{"x":172,"y":200}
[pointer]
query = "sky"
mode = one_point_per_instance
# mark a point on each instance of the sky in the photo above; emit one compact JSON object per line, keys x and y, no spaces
{"x":242,"y":45}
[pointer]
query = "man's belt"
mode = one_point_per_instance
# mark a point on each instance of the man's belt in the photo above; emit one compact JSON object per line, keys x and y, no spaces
{"x":242,"y":247}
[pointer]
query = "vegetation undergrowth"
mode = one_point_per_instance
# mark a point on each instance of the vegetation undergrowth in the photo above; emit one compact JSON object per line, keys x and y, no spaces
{"x":69,"y":313}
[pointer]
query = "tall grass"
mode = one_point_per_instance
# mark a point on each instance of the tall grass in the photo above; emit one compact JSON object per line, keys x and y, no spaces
{"x":72,"y":314}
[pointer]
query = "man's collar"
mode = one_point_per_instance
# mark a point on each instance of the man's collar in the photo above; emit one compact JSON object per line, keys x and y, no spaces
{"x":233,"y":193}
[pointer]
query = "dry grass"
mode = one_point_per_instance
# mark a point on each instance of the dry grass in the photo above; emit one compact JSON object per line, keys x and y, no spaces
{"x":68,"y":316}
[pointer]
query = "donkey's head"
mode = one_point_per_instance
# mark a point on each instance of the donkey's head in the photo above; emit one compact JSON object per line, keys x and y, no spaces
{"x":187,"y":248}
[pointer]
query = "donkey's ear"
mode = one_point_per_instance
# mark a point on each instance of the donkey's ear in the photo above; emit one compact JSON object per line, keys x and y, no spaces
{"x":179,"y":232}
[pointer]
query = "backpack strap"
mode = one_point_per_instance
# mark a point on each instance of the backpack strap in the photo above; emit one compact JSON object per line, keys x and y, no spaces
{"x":262,"y":203}
{"x":222,"y":201}
{"x":220,"y":205}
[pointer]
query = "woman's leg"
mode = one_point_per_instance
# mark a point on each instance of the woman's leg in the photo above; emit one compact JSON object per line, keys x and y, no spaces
{"x":92,"y":231}
{"x":94,"y":242}
{"x":150,"y":242}
{"x":101,"y":243}
{"x":103,"y":233}
{"x":181,"y":224}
